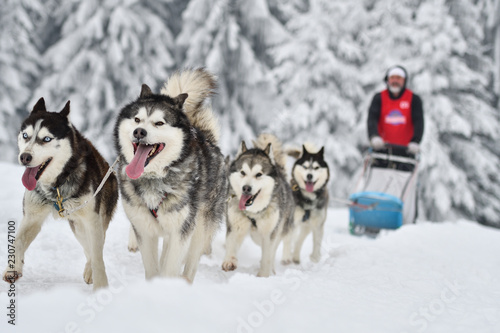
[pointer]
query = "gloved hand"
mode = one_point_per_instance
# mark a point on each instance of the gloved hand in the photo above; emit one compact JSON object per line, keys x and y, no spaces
{"x":377,"y":143}
{"x":413,"y":148}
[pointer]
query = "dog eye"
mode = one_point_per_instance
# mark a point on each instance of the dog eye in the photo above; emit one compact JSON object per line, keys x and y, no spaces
{"x":25,"y":135}
{"x":137,"y":120}
{"x":258,"y":175}
{"x":316,"y":168}
{"x":47,"y":139}
{"x":159,"y":123}
{"x":243,"y":173}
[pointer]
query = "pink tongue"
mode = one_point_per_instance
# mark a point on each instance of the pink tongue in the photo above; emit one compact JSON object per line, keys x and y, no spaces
{"x":244,"y":198}
{"x":136,"y":167}
{"x":310,"y":187}
{"x":29,"y":180}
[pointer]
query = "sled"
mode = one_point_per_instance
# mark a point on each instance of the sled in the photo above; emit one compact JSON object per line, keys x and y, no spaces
{"x":385,"y":196}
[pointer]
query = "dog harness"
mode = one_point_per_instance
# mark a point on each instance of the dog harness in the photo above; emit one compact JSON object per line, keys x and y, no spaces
{"x":58,"y":205}
{"x":154,"y":212}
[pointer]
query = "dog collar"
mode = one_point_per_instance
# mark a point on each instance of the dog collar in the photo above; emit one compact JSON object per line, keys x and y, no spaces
{"x":58,"y":205}
{"x":154,"y":211}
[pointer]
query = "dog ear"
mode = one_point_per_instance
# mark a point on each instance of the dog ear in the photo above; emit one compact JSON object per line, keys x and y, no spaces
{"x":180,"y":99}
{"x":65,"y":110}
{"x":321,"y":152}
{"x":242,"y":149}
{"x":39,"y":106}
{"x":304,"y":151}
{"x":269,"y":152}
{"x":145,"y":91}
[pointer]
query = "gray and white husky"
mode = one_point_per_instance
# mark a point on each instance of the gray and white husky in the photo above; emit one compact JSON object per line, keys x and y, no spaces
{"x":172,"y":173}
{"x":310,"y":175}
{"x":261,"y":202}
{"x":63,"y":170}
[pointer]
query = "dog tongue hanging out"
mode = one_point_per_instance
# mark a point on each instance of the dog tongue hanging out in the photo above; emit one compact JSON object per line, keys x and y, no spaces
{"x":63,"y":169}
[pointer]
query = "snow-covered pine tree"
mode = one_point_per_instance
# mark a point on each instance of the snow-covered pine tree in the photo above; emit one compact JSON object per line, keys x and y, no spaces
{"x":492,"y":12}
{"x":19,"y":66}
{"x":320,"y":82}
{"x":458,"y":166}
{"x":105,"y":51}
{"x":232,"y":39}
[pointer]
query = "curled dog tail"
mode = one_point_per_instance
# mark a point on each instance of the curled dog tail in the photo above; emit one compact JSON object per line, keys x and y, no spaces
{"x":278,"y":154}
{"x":297,"y":152}
{"x":200,"y":85}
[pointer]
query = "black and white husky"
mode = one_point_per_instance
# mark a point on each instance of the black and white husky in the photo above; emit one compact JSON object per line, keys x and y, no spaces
{"x":261,"y":202}
{"x":310,"y":175}
{"x":172,"y":173}
{"x":63,"y":171}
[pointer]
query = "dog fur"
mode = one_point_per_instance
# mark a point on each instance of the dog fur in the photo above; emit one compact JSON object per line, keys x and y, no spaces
{"x":310,"y":176}
{"x":172,"y":173}
{"x":58,"y":157}
{"x":261,"y":202}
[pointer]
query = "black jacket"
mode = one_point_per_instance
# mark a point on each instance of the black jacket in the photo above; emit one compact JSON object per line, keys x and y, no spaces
{"x":417,"y":116}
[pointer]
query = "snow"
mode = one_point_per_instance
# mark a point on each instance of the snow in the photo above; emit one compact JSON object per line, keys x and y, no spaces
{"x":428,"y":277}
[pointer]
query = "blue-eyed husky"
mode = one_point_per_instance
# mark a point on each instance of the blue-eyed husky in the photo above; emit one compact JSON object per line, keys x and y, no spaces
{"x":63,"y":171}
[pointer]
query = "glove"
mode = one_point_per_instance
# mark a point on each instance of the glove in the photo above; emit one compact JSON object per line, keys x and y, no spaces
{"x":377,"y":143}
{"x":413,"y":148}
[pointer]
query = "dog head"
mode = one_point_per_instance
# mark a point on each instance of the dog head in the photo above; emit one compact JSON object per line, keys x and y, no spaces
{"x":44,"y":143}
{"x":150,"y":133}
{"x":310,"y":171}
{"x":252,"y":177}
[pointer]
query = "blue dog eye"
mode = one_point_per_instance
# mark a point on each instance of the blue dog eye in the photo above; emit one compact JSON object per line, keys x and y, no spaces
{"x":25,"y":135}
{"x":47,"y":139}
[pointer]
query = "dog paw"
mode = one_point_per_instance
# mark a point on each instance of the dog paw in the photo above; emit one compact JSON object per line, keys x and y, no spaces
{"x":87,"y":273}
{"x":230,"y":265}
{"x":286,"y":262}
{"x":315,"y":258}
{"x":296,"y":261}
{"x":208,"y":250}
{"x":263,"y":274}
{"x":133,"y":248}
{"x":12,"y":276}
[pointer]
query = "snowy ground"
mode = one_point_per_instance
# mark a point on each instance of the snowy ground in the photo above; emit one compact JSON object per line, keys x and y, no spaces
{"x":427,"y":277}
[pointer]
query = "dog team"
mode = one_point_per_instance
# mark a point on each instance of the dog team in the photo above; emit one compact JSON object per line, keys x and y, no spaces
{"x":174,"y":182}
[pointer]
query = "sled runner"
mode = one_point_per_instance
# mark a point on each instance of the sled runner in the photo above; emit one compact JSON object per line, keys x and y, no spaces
{"x":385,"y":196}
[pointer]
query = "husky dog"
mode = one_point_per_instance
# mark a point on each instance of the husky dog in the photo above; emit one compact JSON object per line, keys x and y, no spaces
{"x":310,"y":175}
{"x":261,"y":203}
{"x":172,"y":174}
{"x":63,"y":170}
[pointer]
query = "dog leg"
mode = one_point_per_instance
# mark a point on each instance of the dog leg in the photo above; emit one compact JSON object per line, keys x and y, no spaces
{"x":318,"y":231}
{"x":148,"y":247}
{"x":234,"y":238}
{"x":274,"y":243}
{"x":304,"y":231}
{"x":177,"y":247}
{"x":132,"y":241}
{"x":31,"y":225}
{"x":94,"y":229}
{"x":199,"y":242}
{"x":266,"y":264}
{"x":288,"y":246}
{"x":81,"y":236}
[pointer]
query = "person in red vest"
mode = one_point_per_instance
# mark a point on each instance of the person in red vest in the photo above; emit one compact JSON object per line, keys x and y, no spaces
{"x":396,"y":115}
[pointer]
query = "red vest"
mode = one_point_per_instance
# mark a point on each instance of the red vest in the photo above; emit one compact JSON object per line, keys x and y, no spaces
{"x":395,"y":124}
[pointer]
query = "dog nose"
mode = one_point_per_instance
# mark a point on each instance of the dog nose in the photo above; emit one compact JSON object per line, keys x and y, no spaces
{"x":309,"y":176}
{"x":247,"y":189}
{"x":140,"y":133}
{"x":25,"y":158}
